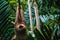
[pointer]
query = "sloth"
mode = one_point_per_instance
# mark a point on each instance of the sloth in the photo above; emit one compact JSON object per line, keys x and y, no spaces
{"x":20,"y":25}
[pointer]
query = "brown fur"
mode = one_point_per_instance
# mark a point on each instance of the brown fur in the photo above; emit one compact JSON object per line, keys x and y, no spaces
{"x":20,"y":25}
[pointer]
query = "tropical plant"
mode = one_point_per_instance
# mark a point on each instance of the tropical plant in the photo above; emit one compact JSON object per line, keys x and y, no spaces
{"x":49,"y":17}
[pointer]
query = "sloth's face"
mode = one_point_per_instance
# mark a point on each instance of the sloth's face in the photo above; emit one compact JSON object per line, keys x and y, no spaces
{"x":21,"y":31}
{"x":20,"y":27}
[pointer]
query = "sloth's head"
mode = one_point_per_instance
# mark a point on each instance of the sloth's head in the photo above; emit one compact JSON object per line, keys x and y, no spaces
{"x":21,"y":27}
{"x":21,"y":30}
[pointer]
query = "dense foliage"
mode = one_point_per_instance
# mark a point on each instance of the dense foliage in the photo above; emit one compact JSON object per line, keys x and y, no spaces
{"x":49,"y":15}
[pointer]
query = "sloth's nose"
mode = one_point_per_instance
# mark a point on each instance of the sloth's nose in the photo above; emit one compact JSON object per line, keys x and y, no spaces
{"x":20,"y":26}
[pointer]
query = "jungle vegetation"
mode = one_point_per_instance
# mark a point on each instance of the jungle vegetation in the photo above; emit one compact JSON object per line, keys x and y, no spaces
{"x":40,"y":19}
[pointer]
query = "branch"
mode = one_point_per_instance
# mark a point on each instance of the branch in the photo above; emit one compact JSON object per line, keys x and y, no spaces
{"x":36,"y":15}
{"x":12,"y":22}
{"x":30,"y":14}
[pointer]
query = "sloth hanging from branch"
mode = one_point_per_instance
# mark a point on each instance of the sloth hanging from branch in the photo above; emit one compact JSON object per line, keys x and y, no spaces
{"x":20,"y":24}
